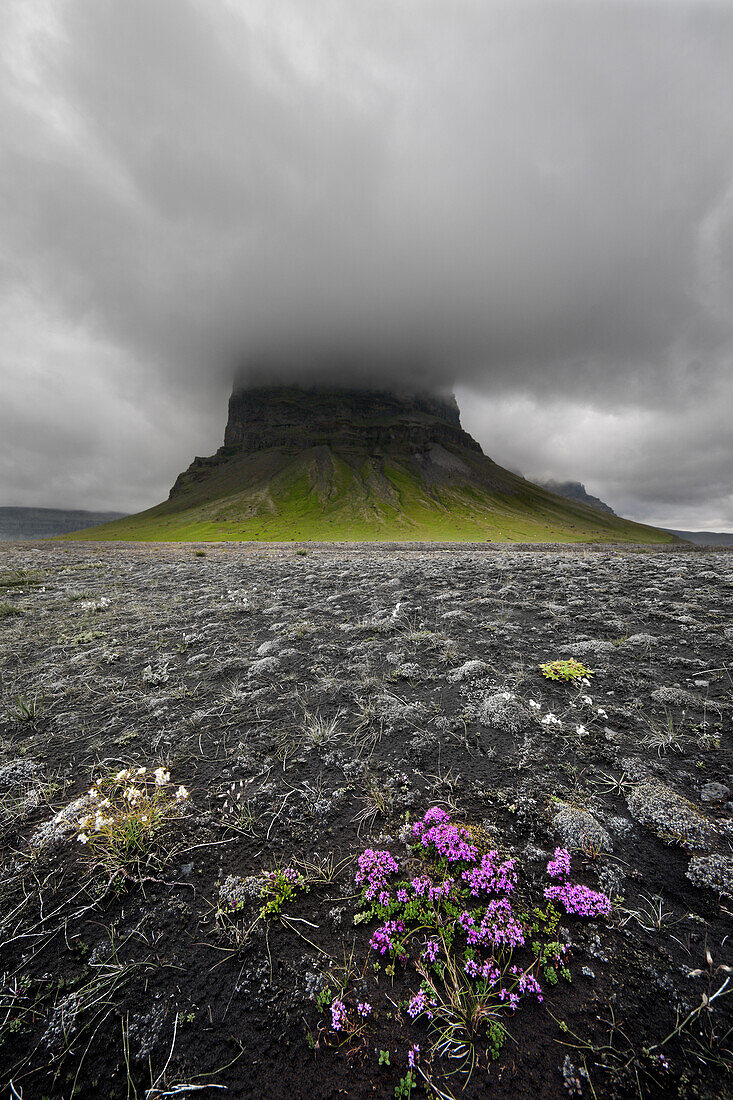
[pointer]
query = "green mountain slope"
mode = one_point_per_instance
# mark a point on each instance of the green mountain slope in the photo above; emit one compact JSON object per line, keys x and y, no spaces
{"x":323,"y":492}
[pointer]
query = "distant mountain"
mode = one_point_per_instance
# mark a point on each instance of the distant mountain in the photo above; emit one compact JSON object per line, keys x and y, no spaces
{"x":360,"y":465}
{"x":40,"y":523}
{"x":705,"y":538}
{"x":575,"y":490}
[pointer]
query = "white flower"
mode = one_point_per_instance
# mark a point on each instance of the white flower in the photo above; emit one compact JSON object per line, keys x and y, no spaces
{"x":550,"y":720}
{"x":84,"y":822}
{"x":93,"y":795}
{"x":601,"y":713}
{"x":124,"y":774}
{"x":82,"y":838}
{"x":581,"y":731}
{"x":181,"y":794}
{"x":162,"y":776}
{"x":534,"y":705}
{"x":141,"y":771}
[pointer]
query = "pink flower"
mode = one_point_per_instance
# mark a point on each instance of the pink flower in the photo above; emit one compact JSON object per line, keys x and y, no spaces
{"x":559,"y":867}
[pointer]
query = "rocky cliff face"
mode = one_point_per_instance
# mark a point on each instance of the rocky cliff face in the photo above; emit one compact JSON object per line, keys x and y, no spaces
{"x":357,"y":422}
{"x":286,"y":416}
{"x":575,"y":490}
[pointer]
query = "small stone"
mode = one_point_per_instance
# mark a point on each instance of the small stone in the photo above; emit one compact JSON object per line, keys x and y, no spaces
{"x":714,"y":792}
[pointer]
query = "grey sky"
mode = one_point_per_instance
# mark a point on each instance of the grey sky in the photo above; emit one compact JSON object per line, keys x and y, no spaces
{"x":533,"y":201}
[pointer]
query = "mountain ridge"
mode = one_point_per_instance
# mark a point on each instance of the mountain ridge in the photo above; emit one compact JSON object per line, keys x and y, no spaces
{"x":337,"y":464}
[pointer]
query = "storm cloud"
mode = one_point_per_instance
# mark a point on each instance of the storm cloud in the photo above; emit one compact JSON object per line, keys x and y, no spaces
{"x":530,"y":202}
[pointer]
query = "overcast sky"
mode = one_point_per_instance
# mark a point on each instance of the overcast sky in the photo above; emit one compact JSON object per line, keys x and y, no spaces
{"x":533,"y":202}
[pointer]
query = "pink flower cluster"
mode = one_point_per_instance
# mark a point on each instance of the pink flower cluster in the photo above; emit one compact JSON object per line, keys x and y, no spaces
{"x":385,"y":938}
{"x":447,"y":839}
{"x":425,"y":887}
{"x":432,"y":947}
{"x":338,"y":1015}
{"x":488,"y":972}
{"x":375,"y":867}
{"x":498,"y":926}
{"x":579,"y":900}
{"x":488,"y":876}
{"x":420,"y":1003}
{"x":528,"y":983}
{"x":559,"y":867}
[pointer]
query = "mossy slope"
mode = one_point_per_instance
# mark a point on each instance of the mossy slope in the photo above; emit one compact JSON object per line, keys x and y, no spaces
{"x":449,"y":494}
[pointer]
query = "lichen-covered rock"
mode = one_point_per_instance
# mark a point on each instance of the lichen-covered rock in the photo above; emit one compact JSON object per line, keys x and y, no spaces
{"x":61,"y":826}
{"x":471,"y":670}
{"x":265,"y":666}
{"x":235,"y":891}
{"x":675,"y":696}
{"x":579,"y":829}
{"x":714,"y":872}
{"x":502,"y":711}
{"x":19,"y":773}
{"x":672,"y":817}
{"x":714,"y":792}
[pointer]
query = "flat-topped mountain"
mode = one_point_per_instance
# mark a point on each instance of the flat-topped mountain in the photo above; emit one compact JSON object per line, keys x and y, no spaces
{"x":334,"y":463}
{"x":285,"y":416}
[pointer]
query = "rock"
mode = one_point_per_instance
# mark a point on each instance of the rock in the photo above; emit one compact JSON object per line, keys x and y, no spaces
{"x":676,"y":696}
{"x":264,"y":667}
{"x":714,"y":872}
{"x":61,"y":826}
{"x":714,"y":792}
{"x":471,"y":670}
{"x":673,"y":818}
{"x":290,"y":416}
{"x":503,"y":711}
{"x":579,"y":829}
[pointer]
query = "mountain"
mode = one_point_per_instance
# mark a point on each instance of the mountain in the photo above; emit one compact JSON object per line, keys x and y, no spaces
{"x":706,"y":538}
{"x":328,"y":463}
{"x":41,"y":523}
{"x":575,"y":490}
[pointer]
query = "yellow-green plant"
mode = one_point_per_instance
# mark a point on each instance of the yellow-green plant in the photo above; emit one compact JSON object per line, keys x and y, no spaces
{"x":565,"y":670}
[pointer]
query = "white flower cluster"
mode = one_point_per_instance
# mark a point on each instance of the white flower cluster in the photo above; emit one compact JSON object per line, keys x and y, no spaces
{"x":132,"y":795}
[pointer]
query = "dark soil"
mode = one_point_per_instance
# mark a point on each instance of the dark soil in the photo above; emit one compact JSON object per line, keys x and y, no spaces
{"x":312,"y":703}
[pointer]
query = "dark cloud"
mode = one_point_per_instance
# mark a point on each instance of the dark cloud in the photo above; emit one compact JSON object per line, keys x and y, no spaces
{"x":531,"y":201}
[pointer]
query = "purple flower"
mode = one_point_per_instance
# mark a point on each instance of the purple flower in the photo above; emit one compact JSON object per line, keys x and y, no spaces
{"x":491,"y":878}
{"x":498,"y":926}
{"x":412,"y":1054}
{"x":338,"y":1015}
{"x":448,"y":840}
{"x":420,"y":1003}
{"x":375,"y":867}
{"x":384,"y":939}
{"x":529,"y":984}
{"x":580,"y":900}
{"x":364,"y":1008}
{"x":432,"y":947}
{"x":559,"y":867}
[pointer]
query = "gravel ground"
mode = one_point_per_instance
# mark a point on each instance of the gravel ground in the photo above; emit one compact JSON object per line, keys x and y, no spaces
{"x":303,"y":705}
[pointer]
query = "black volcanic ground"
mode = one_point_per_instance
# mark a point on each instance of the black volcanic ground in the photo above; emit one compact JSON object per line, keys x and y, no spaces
{"x":309,"y":701}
